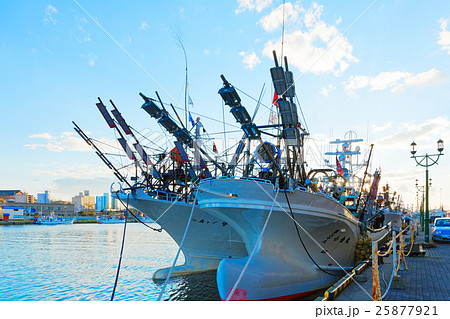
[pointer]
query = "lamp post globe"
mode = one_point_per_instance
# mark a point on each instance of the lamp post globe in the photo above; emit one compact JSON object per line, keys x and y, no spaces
{"x":440,"y":145}
{"x":413,"y":148}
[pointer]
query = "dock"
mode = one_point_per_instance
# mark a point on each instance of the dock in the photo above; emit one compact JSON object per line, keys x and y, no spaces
{"x":426,"y":278}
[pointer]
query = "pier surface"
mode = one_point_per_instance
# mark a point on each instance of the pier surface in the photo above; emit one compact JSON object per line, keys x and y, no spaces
{"x":426,"y":278}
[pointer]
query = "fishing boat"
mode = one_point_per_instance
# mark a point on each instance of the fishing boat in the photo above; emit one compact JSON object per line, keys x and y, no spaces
{"x":299,"y":239}
{"x":164,"y":185}
{"x":110,"y":220}
{"x":53,"y":220}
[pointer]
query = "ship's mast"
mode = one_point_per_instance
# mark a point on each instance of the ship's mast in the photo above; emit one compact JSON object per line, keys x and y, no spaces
{"x":292,"y":132}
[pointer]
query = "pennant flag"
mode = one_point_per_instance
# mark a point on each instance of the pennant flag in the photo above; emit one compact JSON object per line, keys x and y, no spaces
{"x":215,"y":148}
{"x":275,"y":98}
{"x":191,"y":119}
{"x":273,"y":118}
{"x":339,"y":167}
{"x":190,"y":101}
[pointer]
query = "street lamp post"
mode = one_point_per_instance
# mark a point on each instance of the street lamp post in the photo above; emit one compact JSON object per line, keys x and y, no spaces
{"x":421,"y":189}
{"x":427,"y":161}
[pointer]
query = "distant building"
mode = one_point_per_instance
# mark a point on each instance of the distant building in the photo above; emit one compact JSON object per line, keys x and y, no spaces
{"x":9,"y":195}
{"x":83,"y":201}
{"x":43,"y":198}
{"x":102,"y":202}
{"x":114,"y":205}
{"x":24,"y":198}
{"x":28,"y":210}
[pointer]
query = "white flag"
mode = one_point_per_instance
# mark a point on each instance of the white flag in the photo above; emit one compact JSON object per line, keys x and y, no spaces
{"x":273,"y":119}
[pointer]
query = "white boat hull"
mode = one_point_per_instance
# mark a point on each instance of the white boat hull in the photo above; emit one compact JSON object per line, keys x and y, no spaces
{"x":209,"y":238}
{"x":281,"y":268}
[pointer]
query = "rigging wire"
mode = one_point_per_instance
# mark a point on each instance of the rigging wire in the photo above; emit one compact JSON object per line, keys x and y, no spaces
{"x":282,"y":33}
{"x":257,"y":244}
{"x":224,"y":132}
{"x":123,"y":49}
{"x":179,"y":248}
{"x":333,"y":44}
{"x":301,"y":111}
{"x":146,"y":138}
{"x":135,"y":217}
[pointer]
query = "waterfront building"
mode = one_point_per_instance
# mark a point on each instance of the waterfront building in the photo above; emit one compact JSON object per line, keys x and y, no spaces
{"x":9,"y":195}
{"x":43,"y":198}
{"x":29,"y":210}
{"x":13,"y":212}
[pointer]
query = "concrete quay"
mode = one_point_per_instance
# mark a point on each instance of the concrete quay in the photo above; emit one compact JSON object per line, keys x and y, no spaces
{"x":426,"y":278}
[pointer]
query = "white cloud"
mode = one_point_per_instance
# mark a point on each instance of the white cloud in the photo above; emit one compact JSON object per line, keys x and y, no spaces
{"x":313,"y":46}
{"x":143,"y":25}
{"x":426,"y":134}
{"x":444,"y":36}
{"x":76,"y":171}
{"x":376,"y":128}
{"x":325,"y":91}
{"x":395,"y":81}
{"x":250,"y":5}
{"x":274,"y":19}
{"x":206,"y":51}
{"x":91,"y":58}
{"x":67,"y":141}
{"x":91,"y":61}
{"x":250,"y":59}
{"x":50,"y":11}
{"x":85,"y":36}
{"x":46,"y":136}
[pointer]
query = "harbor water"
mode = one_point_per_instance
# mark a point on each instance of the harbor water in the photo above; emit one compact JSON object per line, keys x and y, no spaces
{"x":79,"y":262}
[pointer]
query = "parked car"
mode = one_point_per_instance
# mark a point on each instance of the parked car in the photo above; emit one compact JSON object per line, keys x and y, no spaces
{"x":441,"y":231}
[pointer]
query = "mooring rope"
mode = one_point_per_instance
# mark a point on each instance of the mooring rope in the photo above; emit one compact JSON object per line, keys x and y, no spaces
{"x":254,"y":249}
{"x":393,"y":267}
{"x":396,"y":267}
{"x":179,"y":248}
{"x":121,"y":253}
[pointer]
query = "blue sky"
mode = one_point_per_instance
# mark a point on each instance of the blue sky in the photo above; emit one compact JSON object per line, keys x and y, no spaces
{"x":379,"y":68}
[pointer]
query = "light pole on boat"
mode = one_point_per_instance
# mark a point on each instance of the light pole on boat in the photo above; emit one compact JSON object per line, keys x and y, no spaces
{"x":427,"y":161}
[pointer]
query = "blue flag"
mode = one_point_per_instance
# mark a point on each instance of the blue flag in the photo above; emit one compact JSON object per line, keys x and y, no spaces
{"x":191,"y":119}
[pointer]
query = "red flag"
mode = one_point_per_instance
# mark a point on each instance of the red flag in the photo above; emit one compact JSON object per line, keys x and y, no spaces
{"x":214,"y":148}
{"x":339,"y":167}
{"x":275,"y":98}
